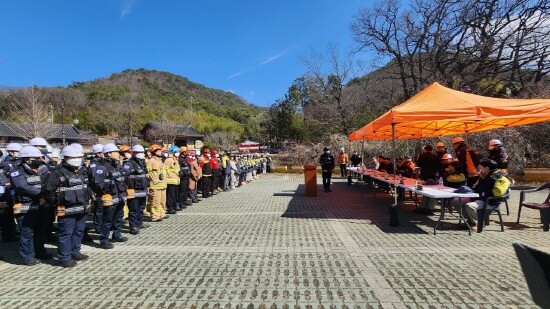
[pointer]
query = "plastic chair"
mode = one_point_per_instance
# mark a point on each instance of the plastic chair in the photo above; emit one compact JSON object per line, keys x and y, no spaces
{"x":535,"y":265}
{"x":543,"y":208}
{"x":484,"y":213}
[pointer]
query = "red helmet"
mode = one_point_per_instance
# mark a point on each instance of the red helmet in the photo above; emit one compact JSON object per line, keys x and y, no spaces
{"x":214,"y":152}
{"x":206,"y":150}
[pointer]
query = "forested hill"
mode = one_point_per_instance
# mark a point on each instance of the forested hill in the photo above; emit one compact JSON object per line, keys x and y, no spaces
{"x":133,"y":97}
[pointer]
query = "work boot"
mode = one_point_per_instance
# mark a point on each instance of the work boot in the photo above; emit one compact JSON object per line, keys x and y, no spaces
{"x":134,"y":230}
{"x":194,"y":201}
{"x":187,"y":203}
{"x":31,"y":262}
{"x":119,"y":239}
{"x":107,"y":245}
{"x":80,"y":257}
{"x":69,"y":263}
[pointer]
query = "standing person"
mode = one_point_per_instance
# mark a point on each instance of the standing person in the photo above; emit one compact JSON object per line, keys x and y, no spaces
{"x":29,"y":207}
{"x":343,"y":160}
{"x":135,"y":170}
{"x":216,"y":171}
{"x":440,"y":149}
{"x":429,"y":164}
{"x":498,"y":153}
{"x":356,"y":159}
{"x":110,"y":187}
{"x":97,"y":159}
{"x":66,"y":187}
{"x":7,"y":220}
{"x":156,"y":173}
{"x":226,"y":171}
{"x":327,"y":165}
{"x":234,"y":172}
{"x":196,"y":175}
{"x":269,"y":164}
{"x":173,"y":179}
{"x":204,"y":163}
{"x":185,"y":175}
{"x":469,"y":158}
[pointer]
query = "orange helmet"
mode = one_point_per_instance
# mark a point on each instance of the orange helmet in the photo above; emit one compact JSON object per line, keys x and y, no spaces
{"x":206,"y":150}
{"x":124,"y":148}
{"x":154,"y":147}
{"x":183,"y":149}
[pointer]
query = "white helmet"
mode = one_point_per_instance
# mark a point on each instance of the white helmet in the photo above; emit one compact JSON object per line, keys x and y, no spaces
{"x":138,"y":148}
{"x":71,"y":151}
{"x":29,"y":152}
{"x":55,"y":154}
{"x":110,"y":147}
{"x":97,"y":148}
{"x":38,"y":141}
{"x":77,"y":146}
{"x":49,"y":148}
{"x":13,"y":147}
{"x":495,"y":142}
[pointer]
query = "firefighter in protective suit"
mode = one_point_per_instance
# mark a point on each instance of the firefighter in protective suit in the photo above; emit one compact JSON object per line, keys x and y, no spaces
{"x":185,"y":175}
{"x":173,"y":179}
{"x":29,"y":207}
{"x":156,"y":172}
{"x":109,"y":185}
{"x":67,"y":188}
{"x":135,"y":171}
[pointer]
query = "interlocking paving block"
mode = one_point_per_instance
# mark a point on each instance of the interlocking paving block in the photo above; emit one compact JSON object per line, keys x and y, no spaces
{"x":266,"y":245}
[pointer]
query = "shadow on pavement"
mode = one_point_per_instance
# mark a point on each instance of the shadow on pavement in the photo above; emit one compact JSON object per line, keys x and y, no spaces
{"x":346,"y":202}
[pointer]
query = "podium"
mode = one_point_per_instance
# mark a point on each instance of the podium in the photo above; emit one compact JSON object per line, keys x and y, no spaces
{"x":310,"y":175}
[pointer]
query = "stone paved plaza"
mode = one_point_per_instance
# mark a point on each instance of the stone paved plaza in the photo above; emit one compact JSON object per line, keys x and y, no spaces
{"x":265,"y":245}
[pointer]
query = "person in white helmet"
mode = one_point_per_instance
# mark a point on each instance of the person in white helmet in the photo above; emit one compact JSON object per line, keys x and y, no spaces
{"x":7,"y":221}
{"x":110,"y":187}
{"x":29,"y":209}
{"x":135,"y":170}
{"x":66,"y":187}
{"x":498,"y":153}
{"x":97,"y":159}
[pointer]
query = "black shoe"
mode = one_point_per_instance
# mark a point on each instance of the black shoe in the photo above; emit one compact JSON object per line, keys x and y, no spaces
{"x":187,"y":203}
{"x":329,"y":190}
{"x":171,"y":212}
{"x":165,"y":217}
{"x":134,"y":230}
{"x":87,"y":238}
{"x":69,"y":263}
{"x":195,"y":201}
{"x":182,"y":207}
{"x":80,"y":257}
{"x":143,"y":226}
{"x":45,"y":256}
{"x":119,"y":239}
{"x":107,"y":246}
{"x":31,"y":262}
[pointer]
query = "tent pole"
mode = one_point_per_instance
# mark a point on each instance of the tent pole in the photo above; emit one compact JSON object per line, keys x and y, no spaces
{"x":394,"y":219}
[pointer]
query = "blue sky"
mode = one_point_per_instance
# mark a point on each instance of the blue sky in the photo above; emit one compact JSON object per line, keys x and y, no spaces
{"x":251,"y":48}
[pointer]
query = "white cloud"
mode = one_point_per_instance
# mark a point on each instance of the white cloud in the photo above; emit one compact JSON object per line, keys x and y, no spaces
{"x":126,"y":7}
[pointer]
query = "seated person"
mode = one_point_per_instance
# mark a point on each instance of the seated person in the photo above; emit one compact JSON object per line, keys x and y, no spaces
{"x":491,"y":182}
{"x":388,"y":166}
{"x":454,"y":175}
{"x":373,"y":164}
{"x":403,"y":169}
{"x":382,"y":167}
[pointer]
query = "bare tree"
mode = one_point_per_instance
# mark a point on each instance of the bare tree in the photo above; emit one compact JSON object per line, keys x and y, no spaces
{"x":223,"y":140}
{"x":29,"y":107}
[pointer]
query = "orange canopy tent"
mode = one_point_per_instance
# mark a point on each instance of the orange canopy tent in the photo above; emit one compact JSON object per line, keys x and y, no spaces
{"x":438,"y":111}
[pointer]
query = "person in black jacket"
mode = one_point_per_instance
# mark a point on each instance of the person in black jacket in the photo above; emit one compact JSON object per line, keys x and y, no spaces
{"x":327,"y":165}
{"x":356,"y":159}
{"x":498,"y":153}
{"x":429,"y":164}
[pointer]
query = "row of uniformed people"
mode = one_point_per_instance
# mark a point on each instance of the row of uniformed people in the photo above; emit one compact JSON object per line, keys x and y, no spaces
{"x":35,"y":189}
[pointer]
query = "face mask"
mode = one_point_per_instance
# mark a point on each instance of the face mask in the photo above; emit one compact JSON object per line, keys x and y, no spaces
{"x":127,"y":155}
{"x":176,"y":154}
{"x":76,"y":162}
{"x":36,"y":163}
{"x":208,"y":155}
{"x":140,"y":155}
